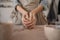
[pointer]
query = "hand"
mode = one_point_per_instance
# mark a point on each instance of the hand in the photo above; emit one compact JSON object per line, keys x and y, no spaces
{"x":32,"y":21}
{"x":24,"y":18}
{"x":32,"y":15}
{"x":29,"y":22}
{"x":25,"y":15}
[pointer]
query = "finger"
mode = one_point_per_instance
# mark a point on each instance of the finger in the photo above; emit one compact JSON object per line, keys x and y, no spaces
{"x":33,"y":23}
{"x":25,"y":17}
{"x":30,"y":26}
{"x":24,"y":21}
{"x":28,"y":22}
{"x":31,"y":16}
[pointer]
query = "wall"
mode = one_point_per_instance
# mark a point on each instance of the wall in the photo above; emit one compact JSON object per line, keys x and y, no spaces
{"x":5,"y":11}
{"x":5,"y":14}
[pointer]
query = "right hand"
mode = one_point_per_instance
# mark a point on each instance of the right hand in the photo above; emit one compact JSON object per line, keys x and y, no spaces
{"x":24,"y":18}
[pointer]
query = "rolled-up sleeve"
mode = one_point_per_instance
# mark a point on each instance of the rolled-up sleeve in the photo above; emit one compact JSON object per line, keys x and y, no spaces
{"x":44,"y":3}
{"x":16,"y":3}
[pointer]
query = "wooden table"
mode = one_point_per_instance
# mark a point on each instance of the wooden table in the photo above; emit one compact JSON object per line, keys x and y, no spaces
{"x":15,"y":32}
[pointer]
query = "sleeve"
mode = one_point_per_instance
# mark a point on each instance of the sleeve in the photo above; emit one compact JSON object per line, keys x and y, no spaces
{"x":16,"y":3}
{"x":44,"y":3}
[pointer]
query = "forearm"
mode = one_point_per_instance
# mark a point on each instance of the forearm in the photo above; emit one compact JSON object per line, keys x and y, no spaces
{"x":38,"y":9}
{"x":21,"y":10}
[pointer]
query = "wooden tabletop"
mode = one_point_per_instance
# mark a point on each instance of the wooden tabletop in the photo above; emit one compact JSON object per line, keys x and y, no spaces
{"x":15,"y":32}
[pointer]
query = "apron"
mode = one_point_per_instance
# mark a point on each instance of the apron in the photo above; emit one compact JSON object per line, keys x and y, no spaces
{"x":29,"y":5}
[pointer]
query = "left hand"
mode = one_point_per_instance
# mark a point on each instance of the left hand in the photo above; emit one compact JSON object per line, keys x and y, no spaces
{"x":32,"y":19}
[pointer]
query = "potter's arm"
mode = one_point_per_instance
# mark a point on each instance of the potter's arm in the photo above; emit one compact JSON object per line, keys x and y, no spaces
{"x":18,"y":7}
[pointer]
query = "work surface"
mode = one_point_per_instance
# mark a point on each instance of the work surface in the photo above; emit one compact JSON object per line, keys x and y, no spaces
{"x":16,"y":32}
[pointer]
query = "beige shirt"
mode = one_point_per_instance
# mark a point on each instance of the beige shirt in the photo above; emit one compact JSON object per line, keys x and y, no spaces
{"x":29,"y":5}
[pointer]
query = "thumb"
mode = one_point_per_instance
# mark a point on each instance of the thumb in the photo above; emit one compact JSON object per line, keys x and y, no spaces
{"x":26,"y":17}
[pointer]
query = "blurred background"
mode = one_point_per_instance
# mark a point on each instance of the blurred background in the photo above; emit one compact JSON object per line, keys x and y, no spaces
{"x":6,"y":8}
{"x":9,"y":30}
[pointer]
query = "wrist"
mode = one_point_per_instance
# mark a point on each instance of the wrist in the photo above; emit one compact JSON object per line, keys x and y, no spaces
{"x":33,"y":12}
{"x":24,"y":12}
{"x":21,"y":10}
